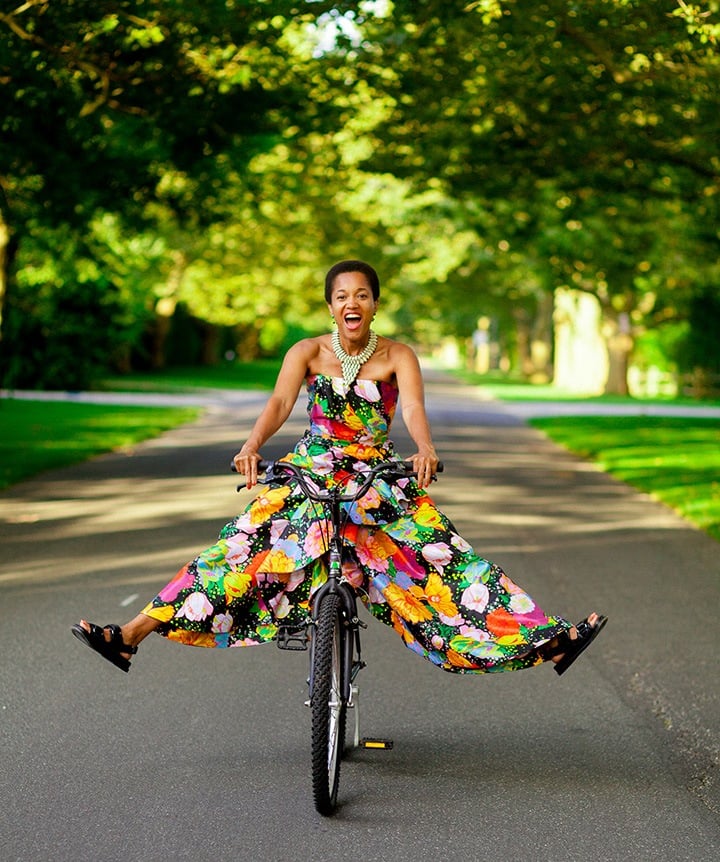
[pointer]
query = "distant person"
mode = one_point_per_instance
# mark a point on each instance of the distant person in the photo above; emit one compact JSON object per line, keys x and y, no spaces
{"x":410,"y":565}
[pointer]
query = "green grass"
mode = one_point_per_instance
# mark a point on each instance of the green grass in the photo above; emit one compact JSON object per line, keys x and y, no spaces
{"x":675,"y":460}
{"x":41,"y":435}
{"x":505,"y":389}
{"x":260,"y":374}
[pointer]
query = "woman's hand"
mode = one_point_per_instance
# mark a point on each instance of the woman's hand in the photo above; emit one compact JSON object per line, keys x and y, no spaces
{"x":425,"y":465}
{"x":246,"y":462}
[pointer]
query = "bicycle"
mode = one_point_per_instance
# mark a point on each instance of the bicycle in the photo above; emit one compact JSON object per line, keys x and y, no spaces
{"x":332,"y":633}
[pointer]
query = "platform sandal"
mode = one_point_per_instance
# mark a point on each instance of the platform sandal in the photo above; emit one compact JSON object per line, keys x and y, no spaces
{"x":570,"y":648}
{"x":110,"y":649}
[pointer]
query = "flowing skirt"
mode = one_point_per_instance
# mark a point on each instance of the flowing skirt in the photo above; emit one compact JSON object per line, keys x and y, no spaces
{"x":410,"y":566}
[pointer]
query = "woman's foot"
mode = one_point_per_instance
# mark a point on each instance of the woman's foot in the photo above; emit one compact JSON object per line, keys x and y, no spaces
{"x":115,"y":643}
{"x":107,"y":641}
{"x":564,"y":649}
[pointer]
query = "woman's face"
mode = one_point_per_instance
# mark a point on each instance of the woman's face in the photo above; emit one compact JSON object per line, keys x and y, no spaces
{"x":352,"y":304}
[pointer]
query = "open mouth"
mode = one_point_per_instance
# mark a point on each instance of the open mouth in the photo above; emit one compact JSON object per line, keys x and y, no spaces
{"x":353,"y":319}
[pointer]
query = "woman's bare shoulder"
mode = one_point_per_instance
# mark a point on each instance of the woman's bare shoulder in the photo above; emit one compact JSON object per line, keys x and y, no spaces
{"x":306,"y":349}
{"x":398,"y":352}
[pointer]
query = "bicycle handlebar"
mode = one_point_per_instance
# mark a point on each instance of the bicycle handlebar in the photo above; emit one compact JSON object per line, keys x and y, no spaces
{"x":387,"y":468}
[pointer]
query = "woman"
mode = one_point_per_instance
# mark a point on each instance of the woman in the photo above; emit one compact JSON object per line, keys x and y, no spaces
{"x":412,"y":568}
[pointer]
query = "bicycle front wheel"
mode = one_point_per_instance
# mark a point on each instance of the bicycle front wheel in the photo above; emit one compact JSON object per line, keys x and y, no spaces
{"x":328,"y":710}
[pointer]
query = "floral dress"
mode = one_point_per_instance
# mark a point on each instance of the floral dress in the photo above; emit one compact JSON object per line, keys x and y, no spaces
{"x":407,"y":561}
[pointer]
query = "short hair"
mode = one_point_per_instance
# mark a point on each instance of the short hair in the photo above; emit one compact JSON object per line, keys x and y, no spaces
{"x":352,"y":266}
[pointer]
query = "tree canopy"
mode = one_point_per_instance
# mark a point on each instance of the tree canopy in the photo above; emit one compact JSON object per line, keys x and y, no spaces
{"x":216,"y":158}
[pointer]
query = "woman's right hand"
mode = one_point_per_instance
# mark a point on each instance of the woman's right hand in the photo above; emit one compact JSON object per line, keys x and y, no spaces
{"x":246,"y":462}
{"x":425,"y":465}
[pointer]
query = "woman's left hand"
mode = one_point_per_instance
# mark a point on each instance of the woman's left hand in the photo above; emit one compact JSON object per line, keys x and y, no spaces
{"x":425,"y":465}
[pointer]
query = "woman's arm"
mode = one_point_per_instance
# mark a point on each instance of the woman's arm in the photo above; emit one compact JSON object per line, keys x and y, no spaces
{"x":277,"y":409}
{"x":412,"y":401}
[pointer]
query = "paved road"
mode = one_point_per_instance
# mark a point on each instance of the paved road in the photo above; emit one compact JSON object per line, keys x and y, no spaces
{"x":202,"y":754}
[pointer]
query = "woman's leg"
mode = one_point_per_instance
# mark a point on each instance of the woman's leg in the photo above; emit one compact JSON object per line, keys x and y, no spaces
{"x":131,"y":634}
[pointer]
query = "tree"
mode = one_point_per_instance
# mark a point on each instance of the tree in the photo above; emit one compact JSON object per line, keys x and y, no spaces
{"x":104,"y":102}
{"x":481,"y":153}
{"x":551,"y":120}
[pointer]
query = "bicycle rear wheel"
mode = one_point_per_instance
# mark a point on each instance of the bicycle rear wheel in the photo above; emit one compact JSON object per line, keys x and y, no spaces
{"x":329,"y":712}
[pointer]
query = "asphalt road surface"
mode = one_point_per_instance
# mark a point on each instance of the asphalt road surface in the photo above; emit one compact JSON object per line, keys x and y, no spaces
{"x":204,"y":754}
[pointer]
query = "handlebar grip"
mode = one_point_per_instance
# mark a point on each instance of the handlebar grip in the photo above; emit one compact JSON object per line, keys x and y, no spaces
{"x":408,"y":467}
{"x":262,"y":466}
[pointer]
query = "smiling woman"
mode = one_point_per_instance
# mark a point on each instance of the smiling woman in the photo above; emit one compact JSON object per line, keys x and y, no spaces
{"x":415,"y":572}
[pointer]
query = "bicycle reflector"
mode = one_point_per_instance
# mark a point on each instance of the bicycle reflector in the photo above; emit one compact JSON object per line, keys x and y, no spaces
{"x":385,"y":744}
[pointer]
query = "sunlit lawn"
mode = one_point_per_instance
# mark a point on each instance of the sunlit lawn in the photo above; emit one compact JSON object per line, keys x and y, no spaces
{"x":260,"y":374}
{"x":505,"y":389}
{"x":676,"y":460}
{"x":40,"y":435}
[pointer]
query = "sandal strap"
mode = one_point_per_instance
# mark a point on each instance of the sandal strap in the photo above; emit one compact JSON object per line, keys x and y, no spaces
{"x":584,"y":629}
{"x":116,"y":639}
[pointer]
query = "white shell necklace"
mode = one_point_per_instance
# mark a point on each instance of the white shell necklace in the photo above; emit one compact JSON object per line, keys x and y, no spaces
{"x":351,"y":364}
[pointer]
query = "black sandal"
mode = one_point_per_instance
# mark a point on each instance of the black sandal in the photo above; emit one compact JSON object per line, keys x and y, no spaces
{"x":109,"y":649}
{"x":570,"y":648}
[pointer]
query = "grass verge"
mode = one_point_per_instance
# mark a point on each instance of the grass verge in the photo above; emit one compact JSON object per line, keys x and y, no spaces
{"x":260,"y":374}
{"x":41,"y":435}
{"x":505,"y":389}
{"x":675,"y":460}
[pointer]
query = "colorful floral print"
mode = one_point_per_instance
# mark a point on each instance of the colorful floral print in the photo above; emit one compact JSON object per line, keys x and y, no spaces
{"x":411,"y":567}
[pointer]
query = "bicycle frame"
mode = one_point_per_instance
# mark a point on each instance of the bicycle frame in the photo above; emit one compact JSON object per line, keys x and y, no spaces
{"x":334,"y":625}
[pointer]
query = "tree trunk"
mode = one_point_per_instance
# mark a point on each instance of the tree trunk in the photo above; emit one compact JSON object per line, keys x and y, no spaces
{"x":542,"y":339}
{"x":619,"y":346}
{"x":160,"y":332}
{"x":8,"y":247}
{"x":165,"y":308}
{"x":534,"y":340}
{"x":247,"y":345}
{"x":210,"y":343}
{"x":581,"y":351}
{"x":8,"y":252}
{"x":522,"y":341}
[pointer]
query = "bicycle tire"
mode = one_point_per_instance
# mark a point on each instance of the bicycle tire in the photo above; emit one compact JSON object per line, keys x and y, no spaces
{"x":329,"y":713}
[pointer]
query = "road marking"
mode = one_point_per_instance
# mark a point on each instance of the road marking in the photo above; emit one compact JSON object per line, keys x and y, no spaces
{"x":129,"y":600}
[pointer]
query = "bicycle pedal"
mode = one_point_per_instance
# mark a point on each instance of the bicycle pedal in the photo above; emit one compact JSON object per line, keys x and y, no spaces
{"x":292,"y":638}
{"x":367,"y":742}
